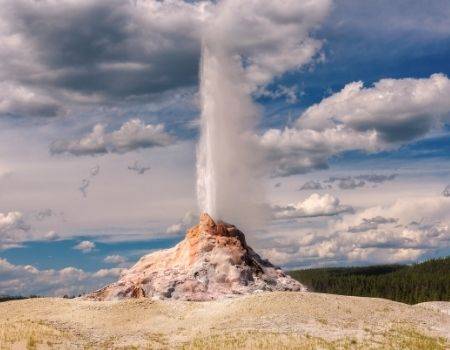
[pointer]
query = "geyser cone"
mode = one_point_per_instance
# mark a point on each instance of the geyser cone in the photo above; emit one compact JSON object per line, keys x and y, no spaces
{"x":213,"y":261}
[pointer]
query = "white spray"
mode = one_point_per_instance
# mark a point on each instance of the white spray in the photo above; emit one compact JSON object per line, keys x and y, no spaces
{"x":227,"y":178}
{"x":245,"y":44}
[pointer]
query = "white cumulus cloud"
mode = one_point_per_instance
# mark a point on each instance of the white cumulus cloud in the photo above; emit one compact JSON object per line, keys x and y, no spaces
{"x":85,"y":246}
{"x":114,"y":259}
{"x":132,"y":135}
{"x":401,"y":232}
{"x":17,"y":100}
{"x":397,"y":109}
{"x":13,"y":229}
{"x":391,"y":113}
{"x":313,"y":206}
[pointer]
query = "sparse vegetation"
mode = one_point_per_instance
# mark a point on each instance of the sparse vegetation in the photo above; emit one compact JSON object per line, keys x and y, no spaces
{"x":31,"y":336}
{"x":282,"y":320}
{"x":395,"y":339}
{"x":410,"y":339}
{"x":31,"y":342}
{"x":427,"y":281}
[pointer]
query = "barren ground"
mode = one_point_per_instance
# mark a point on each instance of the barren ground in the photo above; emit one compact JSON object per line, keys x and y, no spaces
{"x":281,"y":320}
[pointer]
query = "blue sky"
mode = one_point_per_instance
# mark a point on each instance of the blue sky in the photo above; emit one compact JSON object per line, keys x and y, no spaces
{"x":60,"y":254}
{"x":96,"y":68}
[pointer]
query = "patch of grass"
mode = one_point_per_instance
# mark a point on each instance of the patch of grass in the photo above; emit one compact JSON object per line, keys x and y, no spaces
{"x":392,"y":340}
{"x":31,"y":342}
{"x":30,"y":335}
{"x":322,"y":321}
{"x":157,"y":341}
{"x":38,"y":335}
{"x":412,"y":339}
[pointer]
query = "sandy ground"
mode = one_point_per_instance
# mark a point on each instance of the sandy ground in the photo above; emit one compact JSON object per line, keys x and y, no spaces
{"x":441,"y":306}
{"x":279,"y":320}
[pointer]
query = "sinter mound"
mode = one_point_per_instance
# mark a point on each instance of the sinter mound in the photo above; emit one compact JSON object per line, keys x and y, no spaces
{"x":212,"y":262}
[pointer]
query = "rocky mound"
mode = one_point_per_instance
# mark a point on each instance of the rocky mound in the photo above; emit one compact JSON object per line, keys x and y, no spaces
{"x":212,"y":262}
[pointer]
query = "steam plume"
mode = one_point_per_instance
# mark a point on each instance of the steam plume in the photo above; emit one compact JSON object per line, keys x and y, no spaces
{"x":245,"y":44}
{"x":228,"y":186}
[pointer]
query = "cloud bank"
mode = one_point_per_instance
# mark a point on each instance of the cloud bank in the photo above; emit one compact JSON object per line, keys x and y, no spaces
{"x":348,"y":182}
{"x":28,"y":280}
{"x":401,"y":232}
{"x":125,"y":50}
{"x":135,"y":50}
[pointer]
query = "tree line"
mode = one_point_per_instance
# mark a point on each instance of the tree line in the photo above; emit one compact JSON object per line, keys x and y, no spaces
{"x":412,"y":284}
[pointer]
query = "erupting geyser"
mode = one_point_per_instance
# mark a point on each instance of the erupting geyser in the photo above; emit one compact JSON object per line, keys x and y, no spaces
{"x":227,"y":179}
{"x":214,"y":259}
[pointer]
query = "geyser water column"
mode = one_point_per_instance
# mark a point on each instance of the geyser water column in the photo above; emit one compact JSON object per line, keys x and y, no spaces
{"x":245,"y":45}
{"x":227,"y":159}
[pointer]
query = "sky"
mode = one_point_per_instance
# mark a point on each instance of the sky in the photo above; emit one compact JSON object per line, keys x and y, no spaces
{"x":99,"y":125}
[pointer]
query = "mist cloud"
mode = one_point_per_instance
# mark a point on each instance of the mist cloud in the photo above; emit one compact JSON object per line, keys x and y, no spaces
{"x":181,"y":227}
{"x":245,"y":46}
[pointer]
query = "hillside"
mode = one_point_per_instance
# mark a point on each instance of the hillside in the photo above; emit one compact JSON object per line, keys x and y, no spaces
{"x":427,"y":281}
{"x":276,"y":320}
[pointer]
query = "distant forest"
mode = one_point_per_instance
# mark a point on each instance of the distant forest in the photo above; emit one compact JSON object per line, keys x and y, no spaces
{"x":427,"y":281}
{"x":9,"y":298}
